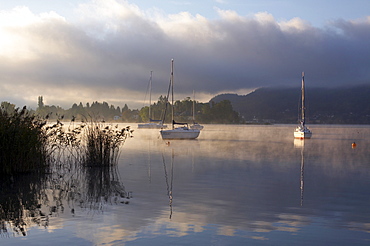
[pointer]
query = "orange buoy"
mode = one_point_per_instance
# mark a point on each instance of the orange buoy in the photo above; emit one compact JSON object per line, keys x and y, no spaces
{"x":353,"y":145}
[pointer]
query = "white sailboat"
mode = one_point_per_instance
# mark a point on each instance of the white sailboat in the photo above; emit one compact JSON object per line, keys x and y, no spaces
{"x":302,"y":132}
{"x":152,"y":124}
{"x":195,"y":125}
{"x":183,"y":132}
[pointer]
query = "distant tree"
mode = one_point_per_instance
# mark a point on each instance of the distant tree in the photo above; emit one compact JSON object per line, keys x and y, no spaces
{"x":40,"y":102}
{"x":7,"y":107}
{"x":218,"y":113}
{"x":130,"y":116}
{"x":223,"y":113}
{"x":105,"y":106}
{"x":144,"y":114}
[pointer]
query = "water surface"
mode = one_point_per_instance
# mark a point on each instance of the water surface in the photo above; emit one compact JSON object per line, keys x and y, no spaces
{"x":234,"y":185}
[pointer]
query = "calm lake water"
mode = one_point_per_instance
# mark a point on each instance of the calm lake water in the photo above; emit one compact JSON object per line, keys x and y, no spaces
{"x":234,"y":185}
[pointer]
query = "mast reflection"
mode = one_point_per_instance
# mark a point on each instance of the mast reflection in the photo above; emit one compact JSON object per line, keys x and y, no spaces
{"x":169,"y":183}
{"x":302,"y":174}
{"x":299,"y":144}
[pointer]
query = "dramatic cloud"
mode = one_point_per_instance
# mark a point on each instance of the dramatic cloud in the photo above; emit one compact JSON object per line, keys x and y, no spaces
{"x":107,"y":53}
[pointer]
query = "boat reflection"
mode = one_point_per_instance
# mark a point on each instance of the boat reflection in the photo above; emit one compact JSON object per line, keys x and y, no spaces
{"x":169,"y":183}
{"x":302,"y":175}
{"x":300,"y":144}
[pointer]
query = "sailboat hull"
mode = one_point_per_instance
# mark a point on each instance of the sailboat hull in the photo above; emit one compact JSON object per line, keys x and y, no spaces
{"x":151,"y":126}
{"x":180,"y":133}
{"x":196,"y":126}
{"x":304,"y":133}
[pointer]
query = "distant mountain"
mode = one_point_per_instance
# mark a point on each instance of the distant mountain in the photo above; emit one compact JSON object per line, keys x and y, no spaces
{"x":344,"y":105}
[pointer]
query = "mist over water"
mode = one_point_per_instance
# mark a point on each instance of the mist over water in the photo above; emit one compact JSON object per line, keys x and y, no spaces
{"x":234,"y":185}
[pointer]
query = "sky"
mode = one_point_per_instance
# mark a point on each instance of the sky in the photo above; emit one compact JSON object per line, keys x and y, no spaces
{"x":72,"y":51}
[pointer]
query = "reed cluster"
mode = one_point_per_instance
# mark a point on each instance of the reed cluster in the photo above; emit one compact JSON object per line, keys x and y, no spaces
{"x":28,"y":143}
{"x":102,"y":143}
{"x":23,"y":146}
{"x":76,"y":162}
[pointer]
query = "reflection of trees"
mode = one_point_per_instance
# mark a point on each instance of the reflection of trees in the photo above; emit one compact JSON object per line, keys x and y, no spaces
{"x":32,"y":199}
{"x":20,"y":206}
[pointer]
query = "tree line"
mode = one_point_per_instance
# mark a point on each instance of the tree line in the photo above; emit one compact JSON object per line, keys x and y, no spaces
{"x":207,"y":113}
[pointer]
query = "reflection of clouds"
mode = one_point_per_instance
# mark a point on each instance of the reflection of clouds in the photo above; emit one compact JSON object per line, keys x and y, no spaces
{"x":180,"y":225}
{"x":294,"y":220}
{"x":226,"y":231}
{"x":284,"y":222}
{"x":98,"y":228}
{"x":262,"y":226}
{"x":364,"y":227}
{"x":110,"y":234}
{"x":259,"y":238}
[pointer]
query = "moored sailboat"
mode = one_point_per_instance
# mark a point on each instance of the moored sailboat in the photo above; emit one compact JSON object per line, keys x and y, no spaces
{"x":183,"y":132}
{"x":152,"y":124}
{"x":302,"y":132}
{"x":195,"y":125}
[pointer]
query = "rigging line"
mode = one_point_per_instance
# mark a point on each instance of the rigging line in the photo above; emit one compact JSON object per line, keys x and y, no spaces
{"x":299,"y":109}
{"x":168,"y":94}
{"x":146,"y":93}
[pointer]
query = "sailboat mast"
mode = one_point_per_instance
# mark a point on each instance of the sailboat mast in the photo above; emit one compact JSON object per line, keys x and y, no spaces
{"x":303,"y":106}
{"x":150,"y":94}
{"x":172,"y":93}
{"x":193,"y":106}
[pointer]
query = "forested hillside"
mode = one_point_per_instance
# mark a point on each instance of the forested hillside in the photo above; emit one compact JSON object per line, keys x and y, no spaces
{"x":344,"y":105}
